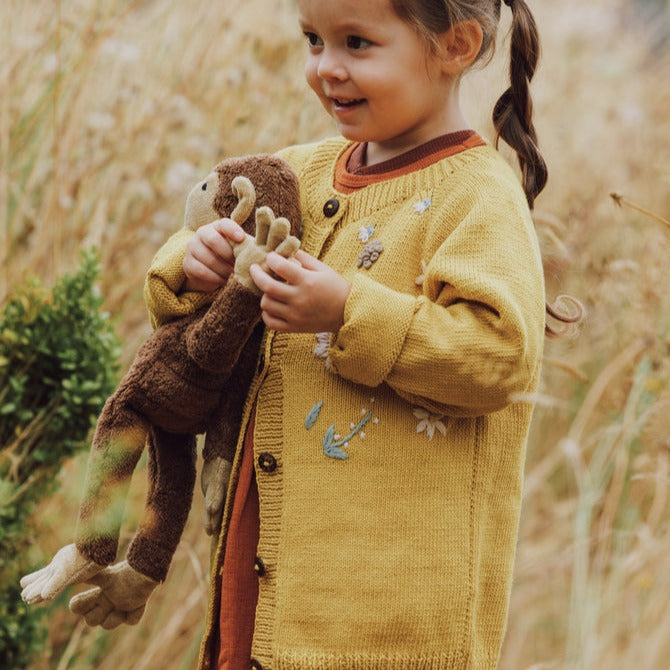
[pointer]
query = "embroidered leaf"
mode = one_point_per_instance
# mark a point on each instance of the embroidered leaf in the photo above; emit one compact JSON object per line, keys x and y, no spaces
{"x":330,"y":434}
{"x":336,"y":452}
{"x":313,"y":415}
{"x":330,"y":448}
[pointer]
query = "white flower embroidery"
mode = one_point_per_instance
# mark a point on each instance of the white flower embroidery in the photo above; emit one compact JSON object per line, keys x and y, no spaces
{"x":422,"y":277}
{"x":365,"y":233}
{"x":429,"y":423}
{"x":422,"y":205}
{"x":322,"y":346}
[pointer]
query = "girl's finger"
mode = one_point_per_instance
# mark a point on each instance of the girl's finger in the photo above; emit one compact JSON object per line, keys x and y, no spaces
{"x":275,"y":308}
{"x":203,"y":260}
{"x":308,"y":262}
{"x":268,"y":285}
{"x":284,"y":268}
{"x":228,"y":228}
{"x":274,"y":323}
{"x":201,"y":278}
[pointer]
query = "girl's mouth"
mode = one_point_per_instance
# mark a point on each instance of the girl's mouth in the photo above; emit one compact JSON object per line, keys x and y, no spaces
{"x":345,"y":104}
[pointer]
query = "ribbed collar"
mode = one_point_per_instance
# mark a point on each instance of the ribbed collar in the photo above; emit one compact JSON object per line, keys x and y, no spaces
{"x":351,"y":173}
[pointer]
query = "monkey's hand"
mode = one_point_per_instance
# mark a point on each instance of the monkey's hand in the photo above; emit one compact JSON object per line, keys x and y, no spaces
{"x":67,"y":567}
{"x":214,"y":482}
{"x":272,"y":234}
{"x":119,"y":596}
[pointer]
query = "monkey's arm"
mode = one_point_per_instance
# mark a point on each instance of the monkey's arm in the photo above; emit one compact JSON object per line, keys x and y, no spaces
{"x":171,"y":474}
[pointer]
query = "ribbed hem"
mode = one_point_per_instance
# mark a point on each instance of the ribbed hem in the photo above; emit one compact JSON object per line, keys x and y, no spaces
{"x":419,"y":661}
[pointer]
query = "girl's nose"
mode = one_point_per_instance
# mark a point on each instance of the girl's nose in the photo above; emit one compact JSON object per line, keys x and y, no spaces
{"x":330,"y":66}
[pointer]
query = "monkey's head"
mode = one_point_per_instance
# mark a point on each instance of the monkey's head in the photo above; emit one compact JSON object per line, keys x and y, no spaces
{"x":274,"y":181}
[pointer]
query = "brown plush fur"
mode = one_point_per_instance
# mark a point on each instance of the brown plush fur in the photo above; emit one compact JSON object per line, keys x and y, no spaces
{"x":190,"y":377}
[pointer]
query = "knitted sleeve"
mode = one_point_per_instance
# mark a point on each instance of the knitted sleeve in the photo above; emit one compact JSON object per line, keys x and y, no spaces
{"x":162,"y":285}
{"x":472,"y":338}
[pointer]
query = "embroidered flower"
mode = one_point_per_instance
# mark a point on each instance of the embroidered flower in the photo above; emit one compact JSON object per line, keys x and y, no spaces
{"x":422,"y":277}
{"x":365,"y":233}
{"x":322,"y":346}
{"x":370,"y":254}
{"x":429,"y":423}
{"x":421,"y":206}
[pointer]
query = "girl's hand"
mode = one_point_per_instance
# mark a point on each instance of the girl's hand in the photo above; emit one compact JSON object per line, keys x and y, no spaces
{"x":209,"y":259}
{"x":311,"y":298}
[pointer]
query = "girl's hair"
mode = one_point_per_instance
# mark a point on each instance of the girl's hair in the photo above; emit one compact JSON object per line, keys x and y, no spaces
{"x":512,"y":114}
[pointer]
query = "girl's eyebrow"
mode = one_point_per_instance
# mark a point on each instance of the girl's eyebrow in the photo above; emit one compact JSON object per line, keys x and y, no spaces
{"x":347,"y":27}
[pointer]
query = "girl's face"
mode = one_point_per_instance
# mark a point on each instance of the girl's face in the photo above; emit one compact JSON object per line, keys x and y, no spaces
{"x":374,"y":75}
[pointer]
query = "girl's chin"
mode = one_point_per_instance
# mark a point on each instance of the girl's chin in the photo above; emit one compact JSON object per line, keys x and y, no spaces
{"x":352,"y":132}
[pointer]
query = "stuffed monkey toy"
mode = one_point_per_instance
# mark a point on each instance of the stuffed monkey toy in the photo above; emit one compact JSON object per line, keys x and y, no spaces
{"x":191,"y":376}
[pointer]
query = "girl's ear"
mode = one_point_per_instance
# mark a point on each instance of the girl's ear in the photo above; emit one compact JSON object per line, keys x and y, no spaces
{"x":461,"y":45}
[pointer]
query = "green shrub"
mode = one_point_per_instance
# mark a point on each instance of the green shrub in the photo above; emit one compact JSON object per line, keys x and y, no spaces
{"x":58,"y":364}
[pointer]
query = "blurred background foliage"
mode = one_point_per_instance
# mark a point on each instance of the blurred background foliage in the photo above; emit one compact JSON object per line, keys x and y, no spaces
{"x":58,"y":364}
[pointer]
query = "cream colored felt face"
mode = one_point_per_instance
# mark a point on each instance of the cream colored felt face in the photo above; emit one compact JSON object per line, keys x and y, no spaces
{"x":200,"y":203}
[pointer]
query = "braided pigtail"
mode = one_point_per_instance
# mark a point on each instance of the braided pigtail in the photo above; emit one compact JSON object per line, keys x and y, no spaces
{"x":513,"y":113}
{"x":513,"y":121}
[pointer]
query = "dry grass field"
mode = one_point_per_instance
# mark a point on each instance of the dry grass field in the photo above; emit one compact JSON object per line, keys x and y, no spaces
{"x":111,"y":109}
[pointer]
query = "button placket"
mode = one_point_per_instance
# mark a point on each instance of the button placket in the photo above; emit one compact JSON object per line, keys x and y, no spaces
{"x":259,"y":567}
{"x":331,"y":207}
{"x":267,"y":462}
{"x":327,"y":218}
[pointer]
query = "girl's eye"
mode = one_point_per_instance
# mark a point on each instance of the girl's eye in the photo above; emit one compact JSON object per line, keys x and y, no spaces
{"x":313,"y":39}
{"x":356,"y":42}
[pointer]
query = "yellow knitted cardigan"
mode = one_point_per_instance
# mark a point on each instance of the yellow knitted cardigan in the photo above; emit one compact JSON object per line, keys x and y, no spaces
{"x":389,"y":456}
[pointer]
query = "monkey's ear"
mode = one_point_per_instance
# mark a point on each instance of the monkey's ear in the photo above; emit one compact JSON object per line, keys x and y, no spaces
{"x":200,"y":203}
{"x":245,"y":193}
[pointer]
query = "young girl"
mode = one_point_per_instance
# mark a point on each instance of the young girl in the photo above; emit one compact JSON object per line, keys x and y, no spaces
{"x":372,"y":515}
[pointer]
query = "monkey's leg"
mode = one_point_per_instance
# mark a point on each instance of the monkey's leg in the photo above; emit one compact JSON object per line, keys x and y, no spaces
{"x":223,"y":431}
{"x":117,"y":446}
{"x":123,"y":590}
{"x":171,"y":472}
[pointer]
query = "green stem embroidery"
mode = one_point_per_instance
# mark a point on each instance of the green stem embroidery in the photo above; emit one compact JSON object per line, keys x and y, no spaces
{"x":332,"y":448}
